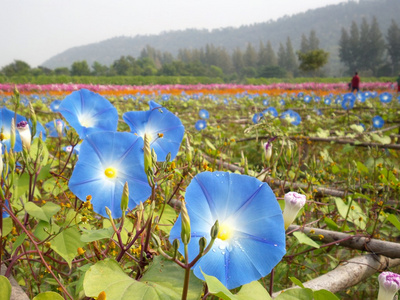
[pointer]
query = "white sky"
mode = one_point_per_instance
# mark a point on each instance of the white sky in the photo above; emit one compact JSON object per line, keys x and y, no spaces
{"x":35,"y":30}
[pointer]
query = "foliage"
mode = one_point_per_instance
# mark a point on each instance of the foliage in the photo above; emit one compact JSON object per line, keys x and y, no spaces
{"x":55,"y":243}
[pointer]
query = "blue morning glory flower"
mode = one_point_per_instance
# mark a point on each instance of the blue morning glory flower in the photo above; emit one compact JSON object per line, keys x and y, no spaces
{"x":251,"y":238}
{"x":282,"y":102}
{"x":317,"y":99}
{"x":349,"y":100}
{"x":106,"y":161}
{"x":291,"y":116}
{"x":270,"y":111}
{"x":307,"y":99}
{"x":378,"y":122}
{"x":55,"y":105}
{"x":203,"y":113}
{"x":5,"y":127}
{"x":257,"y":117}
{"x":300,"y":94}
{"x":385,"y":97}
{"x":265,"y":102}
{"x":162,"y":126}
{"x":200,"y":125}
{"x":88,"y":112}
{"x":328,"y":101}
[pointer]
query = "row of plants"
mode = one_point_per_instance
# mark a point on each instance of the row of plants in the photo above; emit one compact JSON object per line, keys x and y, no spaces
{"x":147,"y":80}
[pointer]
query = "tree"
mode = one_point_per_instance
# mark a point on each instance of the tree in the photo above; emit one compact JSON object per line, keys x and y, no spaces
{"x":312,"y":60}
{"x":304,"y":45}
{"x":345,"y":51}
{"x":272,"y":72}
{"x":354,"y":47}
{"x":270,"y":56}
{"x":61,"y":71}
{"x":393,"y":46}
{"x":250,"y":56}
{"x":313,"y":41}
{"x":363,"y":45}
{"x":237,"y":60}
{"x":291,"y":62}
{"x":16,"y":68}
{"x":282,"y":56}
{"x":99,"y":69}
{"x":376,"y":47}
{"x":80,"y":68}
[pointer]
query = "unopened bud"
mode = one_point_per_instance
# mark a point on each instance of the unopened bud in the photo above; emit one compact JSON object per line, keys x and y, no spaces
{"x":175,"y":247}
{"x":267,"y":151}
{"x":102,"y":296}
{"x":33,"y":118}
{"x":125,"y":198}
{"x":202,"y":244}
{"x":148,"y":161}
{"x":25,"y":134}
{"x":214,"y":230}
{"x":389,"y":284}
{"x":12,"y":134}
{"x":189,"y":152}
{"x":59,"y":128}
{"x":1,"y":159}
{"x":185,"y":231}
{"x":293,"y":203}
{"x":156,"y":240}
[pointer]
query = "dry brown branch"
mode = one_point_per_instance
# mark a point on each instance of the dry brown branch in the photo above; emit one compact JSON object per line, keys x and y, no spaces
{"x":350,"y":273}
{"x":358,"y":242}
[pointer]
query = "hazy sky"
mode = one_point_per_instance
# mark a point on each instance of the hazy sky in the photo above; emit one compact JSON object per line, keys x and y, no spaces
{"x":35,"y":30}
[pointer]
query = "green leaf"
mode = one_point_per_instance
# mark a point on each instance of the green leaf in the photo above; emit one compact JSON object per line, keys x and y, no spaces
{"x":304,"y":239}
{"x":5,"y":288}
{"x":48,"y":296}
{"x":392,"y":219}
{"x":362,"y":168}
{"x":381,"y":139}
{"x":44,"y":212}
{"x":163,"y":280}
{"x":44,"y":229}
{"x":357,"y":128}
{"x":322,"y":133}
{"x":7,"y":226}
{"x":95,"y":235}
{"x":18,"y":242}
{"x":355,"y":214}
{"x":296,"y":282}
{"x":331,"y":224}
{"x":253,"y":291}
{"x":348,"y":148}
{"x":216,"y":288}
{"x":209,"y":144}
{"x":324,"y":295}
{"x":66,"y":244}
{"x":296,"y":294}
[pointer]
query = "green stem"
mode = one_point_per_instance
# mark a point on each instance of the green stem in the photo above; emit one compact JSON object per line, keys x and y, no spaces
{"x":187,"y":274}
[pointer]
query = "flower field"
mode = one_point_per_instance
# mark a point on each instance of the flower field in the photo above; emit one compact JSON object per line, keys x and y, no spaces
{"x":216,"y":191}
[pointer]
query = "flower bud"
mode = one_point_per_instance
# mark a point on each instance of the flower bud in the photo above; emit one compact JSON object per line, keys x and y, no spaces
{"x":202,"y":244}
{"x":125,"y":198}
{"x":389,"y":284}
{"x":156,"y":240}
{"x":25,"y":134}
{"x":33,"y":118}
{"x":293,"y":203}
{"x":214,"y":230}
{"x":12,"y":134}
{"x":148,"y":161}
{"x":175,"y":247}
{"x":59,"y":128}
{"x":267,"y":151}
{"x":185,"y":231}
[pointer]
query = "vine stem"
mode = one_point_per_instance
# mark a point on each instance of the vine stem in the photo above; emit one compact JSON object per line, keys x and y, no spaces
{"x":38,"y":251}
{"x":187,"y":274}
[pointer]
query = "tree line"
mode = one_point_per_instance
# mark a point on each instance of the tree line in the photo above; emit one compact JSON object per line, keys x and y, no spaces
{"x":361,"y":48}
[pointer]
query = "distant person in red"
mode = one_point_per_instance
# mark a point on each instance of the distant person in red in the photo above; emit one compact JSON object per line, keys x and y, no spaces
{"x":355,"y":83}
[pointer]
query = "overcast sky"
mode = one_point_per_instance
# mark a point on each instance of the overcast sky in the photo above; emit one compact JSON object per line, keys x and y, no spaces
{"x":35,"y":30}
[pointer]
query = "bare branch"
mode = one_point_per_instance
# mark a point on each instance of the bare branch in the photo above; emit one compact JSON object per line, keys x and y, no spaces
{"x":350,"y":273}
